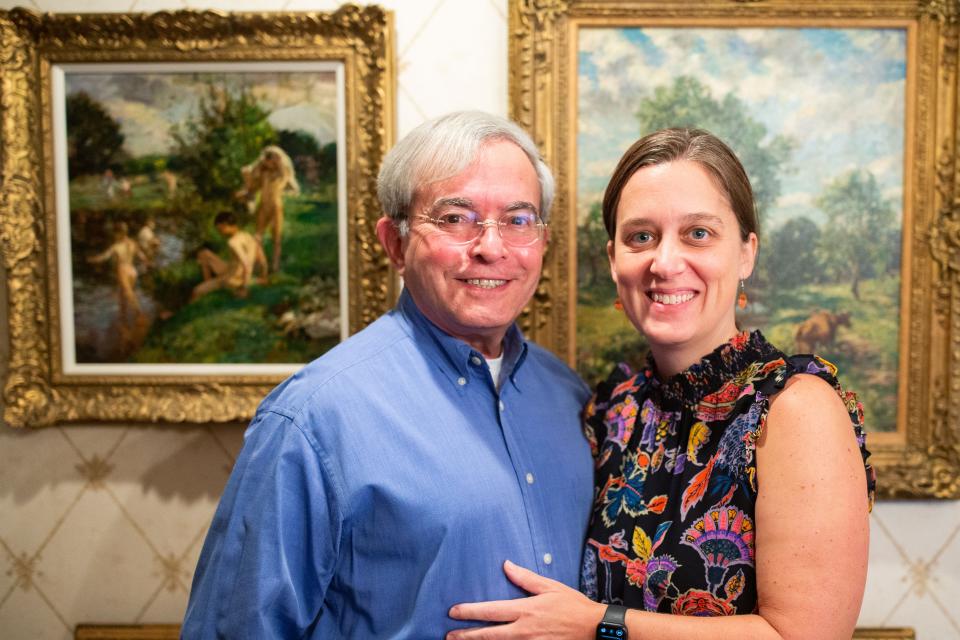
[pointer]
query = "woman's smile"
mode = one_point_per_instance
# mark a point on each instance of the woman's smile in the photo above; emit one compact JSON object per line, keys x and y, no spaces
{"x":671,"y":299}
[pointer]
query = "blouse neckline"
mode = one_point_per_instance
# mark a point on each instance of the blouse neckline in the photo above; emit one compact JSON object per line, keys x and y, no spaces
{"x":712,"y":371}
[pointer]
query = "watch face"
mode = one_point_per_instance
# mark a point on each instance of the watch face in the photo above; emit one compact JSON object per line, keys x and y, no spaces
{"x":609,"y":631}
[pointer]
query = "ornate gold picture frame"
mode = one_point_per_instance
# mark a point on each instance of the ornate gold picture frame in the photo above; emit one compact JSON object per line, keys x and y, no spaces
{"x":917,"y":449}
{"x":74,"y":85}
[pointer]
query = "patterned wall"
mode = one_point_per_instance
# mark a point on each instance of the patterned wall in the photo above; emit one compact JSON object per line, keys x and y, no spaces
{"x":105,"y":524}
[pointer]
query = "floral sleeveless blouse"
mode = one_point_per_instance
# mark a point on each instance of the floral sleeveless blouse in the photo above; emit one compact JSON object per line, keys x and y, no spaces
{"x":672,"y":528}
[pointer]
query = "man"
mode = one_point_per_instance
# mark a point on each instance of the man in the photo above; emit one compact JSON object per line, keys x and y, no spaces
{"x":245,"y":254}
{"x":392,"y":477}
{"x":271,"y":175}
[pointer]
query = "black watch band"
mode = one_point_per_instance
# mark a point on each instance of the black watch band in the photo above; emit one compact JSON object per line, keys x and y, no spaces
{"x":614,"y":623}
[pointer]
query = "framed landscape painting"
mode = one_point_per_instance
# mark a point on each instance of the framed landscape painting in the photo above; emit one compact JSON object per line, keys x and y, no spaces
{"x":844,"y":117}
{"x":191,"y":203}
{"x":153,"y":154}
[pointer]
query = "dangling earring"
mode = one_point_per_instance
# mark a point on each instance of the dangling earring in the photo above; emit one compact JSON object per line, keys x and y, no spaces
{"x":617,"y":304}
{"x":742,"y":298}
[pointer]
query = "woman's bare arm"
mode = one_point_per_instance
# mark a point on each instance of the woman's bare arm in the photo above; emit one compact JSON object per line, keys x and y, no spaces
{"x":812,"y":514}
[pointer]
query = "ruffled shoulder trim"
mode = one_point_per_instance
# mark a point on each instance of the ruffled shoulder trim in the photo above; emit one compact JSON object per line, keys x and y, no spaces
{"x":777,"y":379}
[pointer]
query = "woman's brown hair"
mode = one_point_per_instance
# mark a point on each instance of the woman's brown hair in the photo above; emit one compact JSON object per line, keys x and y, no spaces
{"x":696,"y":145}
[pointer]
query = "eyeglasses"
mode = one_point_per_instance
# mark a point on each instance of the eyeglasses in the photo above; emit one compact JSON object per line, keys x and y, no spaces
{"x":519,"y":228}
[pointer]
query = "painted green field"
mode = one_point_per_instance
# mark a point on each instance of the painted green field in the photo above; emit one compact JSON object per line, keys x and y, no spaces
{"x":292,"y":318}
{"x":866,"y":352}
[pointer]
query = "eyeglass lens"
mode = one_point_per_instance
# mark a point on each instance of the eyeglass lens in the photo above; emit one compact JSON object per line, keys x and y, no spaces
{"x":520,"y":227}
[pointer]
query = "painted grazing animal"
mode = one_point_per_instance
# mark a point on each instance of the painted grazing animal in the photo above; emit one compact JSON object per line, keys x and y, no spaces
{"x":819,"y":330}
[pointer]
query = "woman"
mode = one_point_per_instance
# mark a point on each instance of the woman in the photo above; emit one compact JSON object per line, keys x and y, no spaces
{"x":730,"y":478}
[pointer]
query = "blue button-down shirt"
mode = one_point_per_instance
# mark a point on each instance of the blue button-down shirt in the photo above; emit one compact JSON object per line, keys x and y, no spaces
{"x":389,"y":480}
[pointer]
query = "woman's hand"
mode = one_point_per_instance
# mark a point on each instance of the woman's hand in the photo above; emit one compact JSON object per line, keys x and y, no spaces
{"x":553,"y":610}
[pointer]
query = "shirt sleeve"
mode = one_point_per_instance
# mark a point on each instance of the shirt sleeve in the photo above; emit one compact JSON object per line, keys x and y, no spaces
{"x":273,"y":545}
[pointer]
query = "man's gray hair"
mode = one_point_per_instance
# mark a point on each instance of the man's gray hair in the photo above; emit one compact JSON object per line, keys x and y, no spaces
{"x":442,"y":148}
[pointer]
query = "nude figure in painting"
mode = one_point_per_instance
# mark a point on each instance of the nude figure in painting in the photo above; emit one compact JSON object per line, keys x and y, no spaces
{"x":271,"y":175}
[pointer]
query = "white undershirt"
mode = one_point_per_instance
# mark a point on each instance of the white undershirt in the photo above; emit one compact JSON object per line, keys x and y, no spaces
{"x":495,"y":364}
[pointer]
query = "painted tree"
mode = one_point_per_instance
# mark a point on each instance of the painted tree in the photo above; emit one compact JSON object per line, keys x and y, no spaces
{"x":298,"y":143}
{"x":688,"y":103}
{"x":860,"y":233}
{"x":94,"y":139}
{"x":315,"y":164}
{"x":229,"y":131}
{"x":593,"y":273}
{"x":790,"y":253}
{"x":328,"y":161}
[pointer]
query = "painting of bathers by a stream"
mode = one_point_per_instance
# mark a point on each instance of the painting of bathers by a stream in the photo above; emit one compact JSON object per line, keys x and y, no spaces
{"x":205,"y":215}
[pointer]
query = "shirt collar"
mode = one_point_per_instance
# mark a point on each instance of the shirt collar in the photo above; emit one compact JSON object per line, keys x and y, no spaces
{"x":455,"y":355}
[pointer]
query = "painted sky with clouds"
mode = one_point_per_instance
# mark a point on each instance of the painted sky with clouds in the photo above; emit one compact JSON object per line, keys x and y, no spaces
{"x":147,"y":104}
{"x":838,"y":93}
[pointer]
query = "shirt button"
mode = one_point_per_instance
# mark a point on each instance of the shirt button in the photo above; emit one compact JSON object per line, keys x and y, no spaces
{"x":502,"y":406}
{"x":475,"y":360}
{"x":547,"y":558}
{"x":461,"y":381}
{"x":530,"y":481}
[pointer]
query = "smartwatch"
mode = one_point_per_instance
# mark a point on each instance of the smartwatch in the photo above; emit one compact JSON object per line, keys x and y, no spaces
{"x":614,"y":624}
